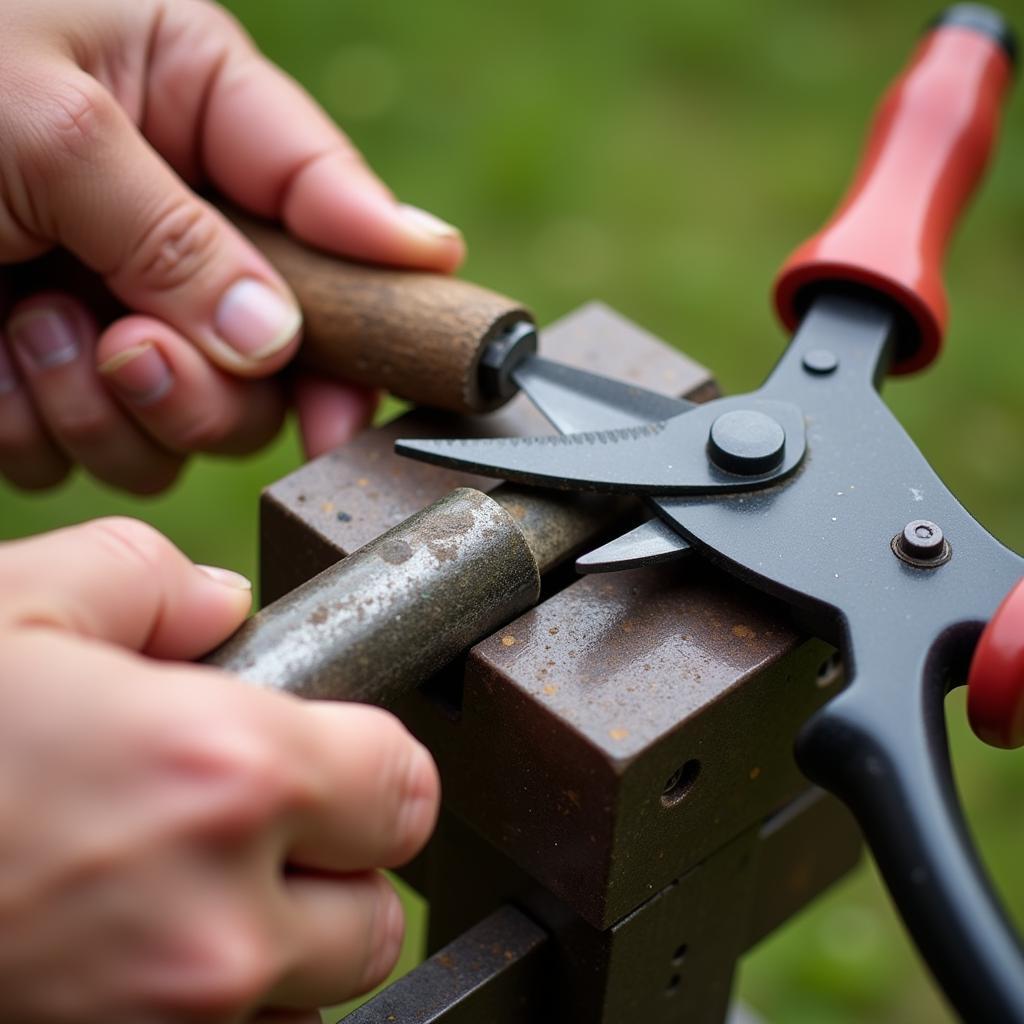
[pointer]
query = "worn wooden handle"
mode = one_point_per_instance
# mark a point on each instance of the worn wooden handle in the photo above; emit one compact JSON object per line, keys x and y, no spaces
{"x":416,"y":334}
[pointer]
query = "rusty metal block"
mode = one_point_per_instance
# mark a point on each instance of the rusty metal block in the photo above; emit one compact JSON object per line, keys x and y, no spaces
{"x":624,"y":729}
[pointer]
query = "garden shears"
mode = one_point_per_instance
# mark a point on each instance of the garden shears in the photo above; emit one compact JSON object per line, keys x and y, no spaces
{"x":810,"y":490}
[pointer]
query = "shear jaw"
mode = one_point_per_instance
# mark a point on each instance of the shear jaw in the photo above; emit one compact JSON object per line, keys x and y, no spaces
{"x":726,"y":446}
{"x":617,"y":436}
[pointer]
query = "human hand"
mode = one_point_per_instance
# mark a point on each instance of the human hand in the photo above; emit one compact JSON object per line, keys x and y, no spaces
{"x":111,"y":111}
{"x":177,"y":846}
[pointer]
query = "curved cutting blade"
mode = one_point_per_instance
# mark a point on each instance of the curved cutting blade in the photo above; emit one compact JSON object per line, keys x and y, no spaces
{"x":651,"y":543}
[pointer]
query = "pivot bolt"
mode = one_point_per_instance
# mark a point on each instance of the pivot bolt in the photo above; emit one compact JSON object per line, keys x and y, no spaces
{"x":820,"y":361}
{"x":922,"y":544}
{"x":747,"y":442}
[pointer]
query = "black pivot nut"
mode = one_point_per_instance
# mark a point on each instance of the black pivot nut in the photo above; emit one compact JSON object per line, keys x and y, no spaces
{"x":746,"y":442}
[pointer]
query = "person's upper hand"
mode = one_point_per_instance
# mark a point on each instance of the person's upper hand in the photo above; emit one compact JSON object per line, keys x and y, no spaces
{"x":177,"y":846}
{"x":111,"y":113}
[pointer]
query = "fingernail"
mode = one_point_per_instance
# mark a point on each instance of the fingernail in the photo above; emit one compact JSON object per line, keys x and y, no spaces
{"x":8,"y":381}
{"x":46,"y":337}
{"x":426,"y":223}
{"x":235,"y":580}
{"x":255,"y":320}
{"x":140,"y":374}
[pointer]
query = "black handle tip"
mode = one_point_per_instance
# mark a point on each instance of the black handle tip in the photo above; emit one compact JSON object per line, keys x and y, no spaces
{"x":502,"y":355}
{"x":981,"y":19}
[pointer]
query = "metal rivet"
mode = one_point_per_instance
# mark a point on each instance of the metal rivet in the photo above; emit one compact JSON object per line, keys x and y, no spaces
{"x":820,"y":361}
{"x":922,"y":539}
{"x":747,"y":442}
{"x":922,"y":544}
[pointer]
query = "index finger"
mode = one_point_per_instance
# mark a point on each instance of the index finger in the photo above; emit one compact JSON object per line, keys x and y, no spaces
{"x":121,"y":581}
{"x":267,"y":145}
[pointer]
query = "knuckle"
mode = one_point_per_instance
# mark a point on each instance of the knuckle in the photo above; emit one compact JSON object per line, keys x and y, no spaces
{"x":381,"y":952}
{"x":243,"y":782}
{"x":151,"y":476}
{"x":37,"y":477}
{"x":205,"y":430}
{"x":25,"y":458}
{"x":419,"y":797}
{"x":177,"y":245}
{"x":244,"y":979}
{"x":236,"y":424}
{"x":411,"y":781}
{"x":393,"y":745}
{"x":69,"y":121}
{"x":128,"y":540}
{"x":215,"y":19}
{"x":235,"y":966}
{"x":86,"y":428}
{"x":198,"y":45}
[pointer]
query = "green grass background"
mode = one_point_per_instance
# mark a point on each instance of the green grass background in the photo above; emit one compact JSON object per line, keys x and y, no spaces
{"x":665,"y":157}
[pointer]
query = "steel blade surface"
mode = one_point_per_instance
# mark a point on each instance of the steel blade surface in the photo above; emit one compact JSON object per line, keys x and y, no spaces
{"x":573,"y":400}
{"x":651,"y":543}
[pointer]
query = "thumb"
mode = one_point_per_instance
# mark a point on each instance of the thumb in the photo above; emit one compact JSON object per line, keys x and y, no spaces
{"x":105,"y":195}
{"x":121,"y":581}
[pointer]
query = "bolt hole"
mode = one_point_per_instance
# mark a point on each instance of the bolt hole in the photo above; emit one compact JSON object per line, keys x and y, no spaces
{"x":679,"y":955}
{"x":830,"y":671}
{"x":673,"y":985}
{"x":680,"y":782}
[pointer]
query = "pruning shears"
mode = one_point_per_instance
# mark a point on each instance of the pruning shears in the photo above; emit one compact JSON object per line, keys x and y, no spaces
{"x":810,"y":490}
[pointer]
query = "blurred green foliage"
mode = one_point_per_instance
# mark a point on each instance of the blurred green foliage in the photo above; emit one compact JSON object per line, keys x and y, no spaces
{"x":665,"y":157}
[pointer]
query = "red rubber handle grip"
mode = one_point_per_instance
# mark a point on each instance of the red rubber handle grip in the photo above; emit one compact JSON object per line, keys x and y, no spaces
{"x":995,"y":685}
{"x":926,"y":151}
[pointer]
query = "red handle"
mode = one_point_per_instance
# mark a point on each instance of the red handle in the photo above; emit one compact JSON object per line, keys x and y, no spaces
{"x":995,"y":685}
{"x":926,"y":151}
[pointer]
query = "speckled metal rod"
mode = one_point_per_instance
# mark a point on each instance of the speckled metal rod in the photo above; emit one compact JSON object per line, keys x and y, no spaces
{"x":392,"y":613}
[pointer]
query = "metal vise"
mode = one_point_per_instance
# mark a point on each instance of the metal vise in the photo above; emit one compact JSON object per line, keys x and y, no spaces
{"x":622,"y":816}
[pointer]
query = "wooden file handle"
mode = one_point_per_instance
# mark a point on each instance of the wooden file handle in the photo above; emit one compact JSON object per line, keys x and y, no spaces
{"x":416,"y":334}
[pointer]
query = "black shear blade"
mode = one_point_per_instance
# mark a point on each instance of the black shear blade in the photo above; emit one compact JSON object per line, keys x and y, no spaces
{"x":631,"y":459}
{"x":667,"y":457}
{"x":573,"y":400}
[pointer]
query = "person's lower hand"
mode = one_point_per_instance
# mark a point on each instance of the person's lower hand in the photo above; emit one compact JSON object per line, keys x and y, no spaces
{"x":111,"y":111}
{"x":177,"y":846}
